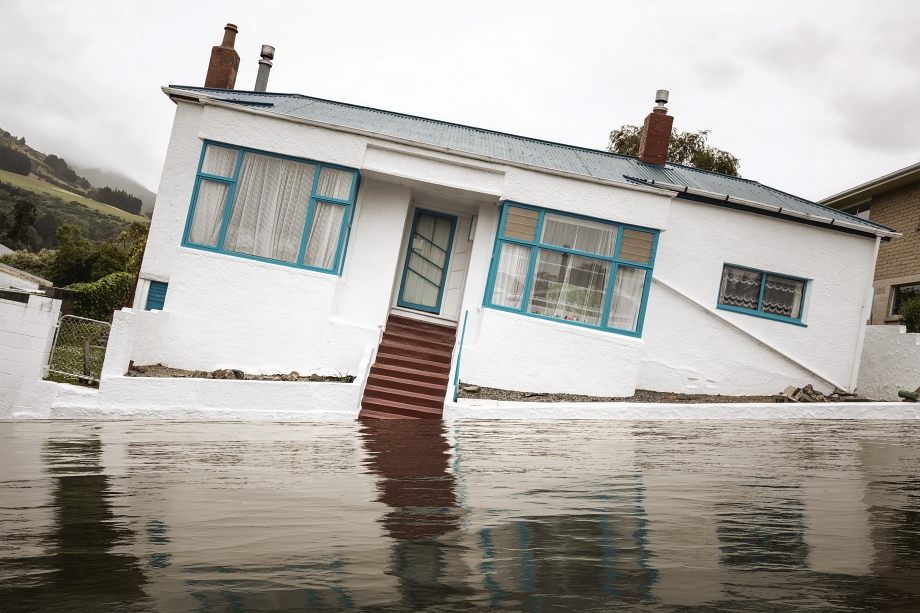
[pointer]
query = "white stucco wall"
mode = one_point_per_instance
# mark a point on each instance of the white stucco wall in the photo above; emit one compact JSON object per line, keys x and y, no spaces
{"x":13,"y":277}
{"x":689,"y":349}
{"x":26,"y":336}
{"x":890,"y":362}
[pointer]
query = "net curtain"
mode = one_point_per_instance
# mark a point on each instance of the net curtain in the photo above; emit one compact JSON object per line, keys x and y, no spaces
{"x":270,"y":207}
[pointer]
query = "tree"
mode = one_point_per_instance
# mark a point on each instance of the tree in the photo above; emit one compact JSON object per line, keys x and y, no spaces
{"x":75,"y":257}
{"x":687,"y":148}
{"x":909,"y":311}
{"x":24,"y":215}
{"x":14,"y":161}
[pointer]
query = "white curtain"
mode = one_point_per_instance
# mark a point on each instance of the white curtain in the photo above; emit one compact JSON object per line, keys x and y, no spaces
{"x":511,"y":276}
{"x":219,"y":161}
{"x":334,"y":183}
{"x":209,"y":212}
{"x":740,"y":288}
{"x":579,"y":234}
{"x":782,"y":296}
{"x":627,"y":298}
{"x":570,"y":287}
{"x":324,"y":235}
{"x":270,"y":207}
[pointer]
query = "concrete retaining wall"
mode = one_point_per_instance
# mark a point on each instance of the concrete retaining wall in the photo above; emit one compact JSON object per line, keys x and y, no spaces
{"x":26,"y":335}
{"x":890,"y":362}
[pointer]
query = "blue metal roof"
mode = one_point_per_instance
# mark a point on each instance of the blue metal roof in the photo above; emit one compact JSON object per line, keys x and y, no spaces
{"x":530,"y":151}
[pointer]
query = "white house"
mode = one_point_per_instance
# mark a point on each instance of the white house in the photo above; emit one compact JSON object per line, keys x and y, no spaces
{"x":297,"y":234}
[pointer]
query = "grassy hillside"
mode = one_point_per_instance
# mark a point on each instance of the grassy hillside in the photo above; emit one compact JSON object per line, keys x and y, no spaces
{"x":41,"y":187}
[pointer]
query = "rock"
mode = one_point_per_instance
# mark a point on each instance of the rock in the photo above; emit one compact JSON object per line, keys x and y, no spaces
{"x":315,"y":377}
{"x":781,"y":398}
{"x":471,"y":389}
{"x":141,"y":369}
{"x":683,"y":397}
{"x":239,"y":374}
{"x":292,"y":376}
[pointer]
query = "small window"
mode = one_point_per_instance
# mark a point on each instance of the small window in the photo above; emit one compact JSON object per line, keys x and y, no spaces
{"x":156,"y":296}
{"x":566,"y":268}
{"x":761,"y":293}
{"x":271,"y":207}
{"x":899,"y":293}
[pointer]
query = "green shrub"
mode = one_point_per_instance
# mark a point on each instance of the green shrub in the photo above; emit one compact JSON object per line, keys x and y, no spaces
{"x":97,"y":300}
{"x":909,"y":311}
{"x":38,"y":264}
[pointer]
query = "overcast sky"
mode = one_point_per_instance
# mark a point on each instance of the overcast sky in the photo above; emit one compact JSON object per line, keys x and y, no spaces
{"x":814,"y":97}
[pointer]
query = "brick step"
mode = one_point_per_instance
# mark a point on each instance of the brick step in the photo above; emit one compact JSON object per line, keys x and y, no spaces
{"x":419,"y":340}
{"x":423,"y":326}
{"x":366,"y":414}
{"x":411,"y":351}
{"x":407,"y":385}
{"x":404,"y":361}
{"x":441,"y":337}
{"x":410,"y":398}
{"x":409,"y":374}
{"x":390,"y":407}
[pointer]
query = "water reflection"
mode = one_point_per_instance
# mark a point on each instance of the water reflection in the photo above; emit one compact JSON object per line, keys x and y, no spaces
{"x":81,"y":569}
{"x":531,"y":516}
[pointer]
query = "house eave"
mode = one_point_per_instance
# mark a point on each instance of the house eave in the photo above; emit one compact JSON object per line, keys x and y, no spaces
{"x":865,"y":191}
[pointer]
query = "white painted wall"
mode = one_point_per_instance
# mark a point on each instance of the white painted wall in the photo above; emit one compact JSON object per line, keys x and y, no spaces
{"x":13,"y":277}
{"x":26,"y":336}
{"x":890,"y":362}
{"x":688,"y":349}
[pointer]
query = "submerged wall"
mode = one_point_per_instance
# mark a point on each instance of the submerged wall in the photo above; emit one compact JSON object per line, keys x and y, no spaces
{"x":890,"y":362}
{"x":26,"y":336}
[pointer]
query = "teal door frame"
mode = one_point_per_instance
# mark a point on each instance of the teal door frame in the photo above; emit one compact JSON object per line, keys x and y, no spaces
{"x":444,"y":271}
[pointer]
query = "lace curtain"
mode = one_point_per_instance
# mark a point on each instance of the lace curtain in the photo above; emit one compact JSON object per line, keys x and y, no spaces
{"x":219,"y":161}
{"x":324,"y":235}
{"x":782,"y":296}
{"x":270,"y":207}
{"x":568,"y":286}
{"x":740,"y":288}
{"x":511,"y":276}
{"x":627,"y":298}
{"x":334,"y":183}
{"x":209,"y":212}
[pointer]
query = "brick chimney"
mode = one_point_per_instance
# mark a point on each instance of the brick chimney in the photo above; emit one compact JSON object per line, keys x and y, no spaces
{"x":656,"y":132}
{"x":224,"y":62}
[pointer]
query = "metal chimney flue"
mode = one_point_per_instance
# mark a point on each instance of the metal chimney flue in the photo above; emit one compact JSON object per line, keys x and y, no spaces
{"x":265,"y":66}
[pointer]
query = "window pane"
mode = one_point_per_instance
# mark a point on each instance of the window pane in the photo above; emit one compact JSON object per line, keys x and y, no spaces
{"x":627,"y":298}
{"x":334,"y":183}
{"x":902,"y":292}
{"x":209,"y":212}
{"x":511,"y":276}
{"x":219,"y":161}
{"x":569,"y":287}
{"x":578,"y":234}
{"x":270,"y":207}
{"x":782,"y":296}
{"x":324,"y":235}
{"x":740,"y":288}
{"x":521,"y":223}
{"x":637,"y":246}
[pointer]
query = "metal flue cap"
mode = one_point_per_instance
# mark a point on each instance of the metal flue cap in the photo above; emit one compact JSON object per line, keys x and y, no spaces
{"x":268,"y":52}
{"x":661,"y":96}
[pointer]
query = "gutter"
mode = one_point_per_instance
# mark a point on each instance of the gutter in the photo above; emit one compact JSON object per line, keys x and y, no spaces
{"x":185,"y":96}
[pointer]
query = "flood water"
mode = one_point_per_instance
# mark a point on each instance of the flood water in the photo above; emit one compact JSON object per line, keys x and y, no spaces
{"x":431,"y":516}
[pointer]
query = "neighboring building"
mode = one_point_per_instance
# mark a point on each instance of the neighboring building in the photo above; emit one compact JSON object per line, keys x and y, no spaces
{"x":292,"y":233}
{"x":893,"y":201}
{"x":20,"y":279}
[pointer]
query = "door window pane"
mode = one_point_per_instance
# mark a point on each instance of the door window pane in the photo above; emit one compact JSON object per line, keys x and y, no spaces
{"x":270,"y":207}
{"x":568,"y":286}
{"x":428,"y":255}
{"x":521,"y":223}
{"x":740,"y":288}
{"x":209,"y":212}
{"x":511,"y":276}
{"x":627,"y":298}
{"x":578,"y":234}
{"x":219,"y":161}
{"x":782,"y":296}
{"x":324,"y":235}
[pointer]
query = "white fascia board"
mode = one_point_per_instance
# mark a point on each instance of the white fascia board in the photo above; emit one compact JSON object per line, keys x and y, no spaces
{"x":757,"y":205}
{"x":793,"y":213}
{"x":402,"y":141}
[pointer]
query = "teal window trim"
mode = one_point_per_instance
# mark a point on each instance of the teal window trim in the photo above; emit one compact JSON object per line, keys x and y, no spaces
{"x":535,"y":245}
{"x":796,"y":321}
{"x":446,"y":270}
{"x":231,"y":182}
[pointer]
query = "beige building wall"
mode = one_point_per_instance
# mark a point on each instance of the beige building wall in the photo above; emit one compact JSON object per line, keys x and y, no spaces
{"x":899,"y":259}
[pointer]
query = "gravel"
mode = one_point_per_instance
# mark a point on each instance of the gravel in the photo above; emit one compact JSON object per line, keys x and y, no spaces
{"x":491,"y":393}
{"x":158,"y":370}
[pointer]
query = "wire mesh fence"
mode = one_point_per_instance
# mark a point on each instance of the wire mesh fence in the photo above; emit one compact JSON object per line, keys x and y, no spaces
{"x":79,"y":349}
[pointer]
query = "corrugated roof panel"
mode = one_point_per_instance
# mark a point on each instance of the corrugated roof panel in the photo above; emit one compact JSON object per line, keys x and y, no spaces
{"x":519,"y":149}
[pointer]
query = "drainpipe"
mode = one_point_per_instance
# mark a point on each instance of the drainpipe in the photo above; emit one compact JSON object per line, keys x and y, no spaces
{"x":866,"y":313}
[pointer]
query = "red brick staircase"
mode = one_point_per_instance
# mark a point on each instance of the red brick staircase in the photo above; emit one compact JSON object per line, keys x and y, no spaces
{"x":410,"y":375}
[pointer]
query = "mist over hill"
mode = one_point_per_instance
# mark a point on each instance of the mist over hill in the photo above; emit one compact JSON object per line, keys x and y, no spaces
{"x":98,"y":176}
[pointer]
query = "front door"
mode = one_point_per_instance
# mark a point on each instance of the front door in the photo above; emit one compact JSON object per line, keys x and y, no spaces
{"x":426,"y":261}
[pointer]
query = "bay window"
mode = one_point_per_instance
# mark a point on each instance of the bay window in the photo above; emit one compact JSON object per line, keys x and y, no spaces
{"x":568,"y":268}
{"x":271,"y":207}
